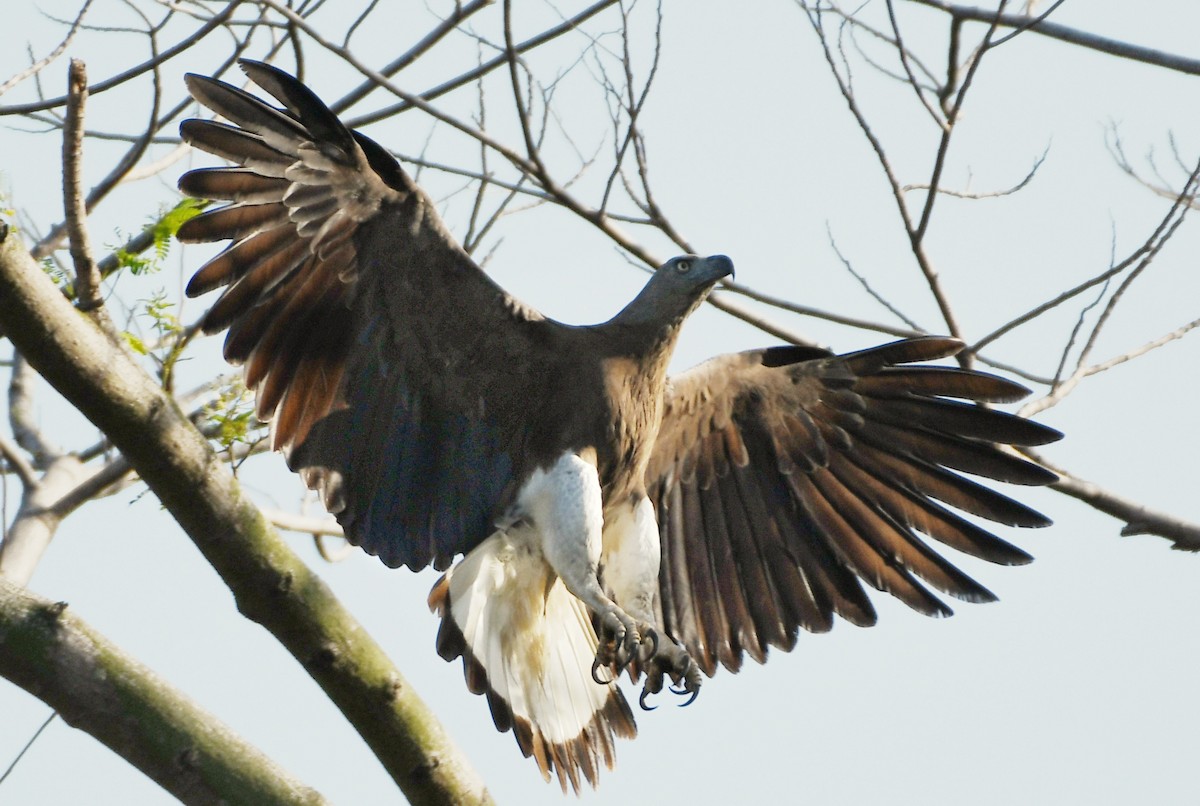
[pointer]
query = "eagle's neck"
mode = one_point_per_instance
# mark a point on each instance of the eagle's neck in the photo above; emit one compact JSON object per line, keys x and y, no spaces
{"x":648,"y":327}
{"x":634,"y":376}
{"x":635,"y":347}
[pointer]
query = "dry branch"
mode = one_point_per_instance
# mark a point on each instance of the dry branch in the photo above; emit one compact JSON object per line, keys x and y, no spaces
{"x":1063,"y":33}
{"x":1138,"y":518}
{"x":87,"y":275}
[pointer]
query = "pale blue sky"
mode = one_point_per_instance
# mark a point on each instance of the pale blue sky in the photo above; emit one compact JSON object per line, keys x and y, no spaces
{"x":1075,"y":687}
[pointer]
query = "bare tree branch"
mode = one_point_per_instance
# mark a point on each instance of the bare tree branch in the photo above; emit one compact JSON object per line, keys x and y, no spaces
{"x":87,"y":275}
{"x":36,"y":522}
{"x":485,"y":68}
{"x":48,"y":59}
{"x":1139,"y":519}
{"x":461,"y":13}
{"x":914,"y":230}
{"x":990,"y":194}
{"x":302,"y":523}
{"x":21,"y":412}
{"x":12,"y":456}
{"x":1150,"y":247}
{"x":1113,"y":47}
{"x":133,"y":72}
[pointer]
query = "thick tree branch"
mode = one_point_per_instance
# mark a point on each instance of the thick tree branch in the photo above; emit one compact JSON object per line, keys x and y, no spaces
{"x":55,"y":656}
{"x":270,"y":584}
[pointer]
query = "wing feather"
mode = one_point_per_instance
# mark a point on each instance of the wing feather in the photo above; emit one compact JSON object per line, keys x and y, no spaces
{"x":783,"y":478}
{"x":371,"y":338}
{"x":754,"y":620}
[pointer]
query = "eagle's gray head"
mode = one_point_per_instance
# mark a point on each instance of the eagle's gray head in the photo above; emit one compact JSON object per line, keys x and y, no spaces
{"x":676,"y":288}
{"x":691,"y":274}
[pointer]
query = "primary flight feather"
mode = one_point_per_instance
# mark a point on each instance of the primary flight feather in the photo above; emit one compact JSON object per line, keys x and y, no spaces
{"x":608,"y":518}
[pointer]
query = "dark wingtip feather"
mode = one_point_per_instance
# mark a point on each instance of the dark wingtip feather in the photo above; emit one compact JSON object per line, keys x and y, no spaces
{"x":904,"y":351}
{"x":1044,"y":436}
{"x":302,"y":102}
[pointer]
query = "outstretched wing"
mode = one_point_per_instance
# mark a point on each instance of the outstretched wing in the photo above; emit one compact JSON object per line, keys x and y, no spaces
{"x":396,"y":375}
{"x":784,"y":477}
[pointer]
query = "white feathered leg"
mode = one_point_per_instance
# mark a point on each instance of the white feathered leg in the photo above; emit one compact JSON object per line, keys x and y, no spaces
{"x":630,"y":559}
{"x":565,"y":505}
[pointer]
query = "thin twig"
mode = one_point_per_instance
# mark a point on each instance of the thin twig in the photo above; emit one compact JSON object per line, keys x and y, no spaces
{"x":718,"y":301}
{"x":915,"y":235}
{"x":875,"y":295}
{"x":1113,"y":47}
{"x":817,"y":313}
{"x":28,"y":745}
{"x":46,"y":60}
{"x":952,"y":115}
{"x":302,"y":523}
{"x":471,"y":75}
{"x":1061,"y":390}
{"x":902,"y":51}
{"x":460,"y":14}
{"x":133,"y":72}
{"x":1151,"y":246}
{"x":1139,"y":519}
{"x":992,"y":194}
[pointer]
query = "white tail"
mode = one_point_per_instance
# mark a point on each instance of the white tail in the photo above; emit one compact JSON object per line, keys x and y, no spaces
{"x":528,"y":644}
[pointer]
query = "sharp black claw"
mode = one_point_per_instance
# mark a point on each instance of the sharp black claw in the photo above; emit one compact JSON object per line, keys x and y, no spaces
{"x":691,"y":699}
{"x":642,"y":701}
{"x":596,"y":667}
{"x":653,"y":636}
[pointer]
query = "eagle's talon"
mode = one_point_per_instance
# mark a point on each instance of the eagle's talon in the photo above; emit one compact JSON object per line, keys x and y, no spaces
{"x":646,"y":692}
{"x":649,"y":634}
{"x":623,"y":639}
{"x":597,"y":665}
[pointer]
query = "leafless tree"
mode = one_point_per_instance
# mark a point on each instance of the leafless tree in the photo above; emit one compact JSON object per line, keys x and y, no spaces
{"x":67,"y":309}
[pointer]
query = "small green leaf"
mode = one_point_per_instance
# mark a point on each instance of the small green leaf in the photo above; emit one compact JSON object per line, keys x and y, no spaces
{"x":136,"y":344}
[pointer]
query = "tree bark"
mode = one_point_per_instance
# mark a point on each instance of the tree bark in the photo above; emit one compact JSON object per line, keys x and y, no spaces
{"x":55,"y":656}
{"x":271,"y":585}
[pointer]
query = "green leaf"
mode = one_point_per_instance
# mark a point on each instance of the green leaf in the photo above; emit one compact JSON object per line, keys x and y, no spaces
{"x":136,"y":344}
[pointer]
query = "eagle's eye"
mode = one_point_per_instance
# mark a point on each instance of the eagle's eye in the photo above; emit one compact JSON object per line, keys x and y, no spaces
{"x":683,"y":266}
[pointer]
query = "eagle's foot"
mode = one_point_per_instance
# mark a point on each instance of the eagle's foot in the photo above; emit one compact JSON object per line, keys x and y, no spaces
{"x":623,"y":639}
{"x":672,"y":661}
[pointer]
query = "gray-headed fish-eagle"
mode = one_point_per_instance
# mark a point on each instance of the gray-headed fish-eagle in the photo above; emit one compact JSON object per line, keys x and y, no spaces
{"x":608,"y":518}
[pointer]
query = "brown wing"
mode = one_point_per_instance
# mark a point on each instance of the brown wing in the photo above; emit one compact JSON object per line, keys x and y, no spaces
{"x":395,"y":373}
{"x":784,"y":477}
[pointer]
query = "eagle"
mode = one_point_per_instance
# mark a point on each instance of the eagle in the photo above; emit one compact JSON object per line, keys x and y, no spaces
{"x":592,"y":516}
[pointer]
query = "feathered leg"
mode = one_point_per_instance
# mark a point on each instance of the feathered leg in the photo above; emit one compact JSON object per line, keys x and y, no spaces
{"x":630,"y":559}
